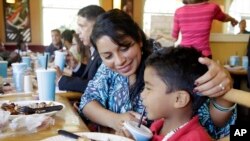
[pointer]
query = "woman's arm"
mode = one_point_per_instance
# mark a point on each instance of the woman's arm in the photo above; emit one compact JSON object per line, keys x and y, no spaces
{"x":96,"y":113}
{"x":215,"y":83}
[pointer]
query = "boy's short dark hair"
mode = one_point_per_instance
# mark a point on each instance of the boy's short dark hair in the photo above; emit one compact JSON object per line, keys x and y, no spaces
{"x":179,"y":68}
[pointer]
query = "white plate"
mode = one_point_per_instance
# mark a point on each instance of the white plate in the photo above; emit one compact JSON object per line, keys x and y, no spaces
{"x":91,"y":135}
{"x":26,"y":103}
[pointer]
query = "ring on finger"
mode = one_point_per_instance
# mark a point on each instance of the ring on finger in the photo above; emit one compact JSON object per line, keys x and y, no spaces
{"x":221,"y":86}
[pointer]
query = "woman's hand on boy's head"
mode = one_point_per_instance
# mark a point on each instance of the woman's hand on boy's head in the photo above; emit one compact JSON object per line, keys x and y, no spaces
{"x":215,"y":82}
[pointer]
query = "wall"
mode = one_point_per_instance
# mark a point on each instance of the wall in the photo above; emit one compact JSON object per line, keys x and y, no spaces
{"x":221,"y":50}
{"x":217,"y":26}
{"x":36,"y":22}
{"x":36,"y":18}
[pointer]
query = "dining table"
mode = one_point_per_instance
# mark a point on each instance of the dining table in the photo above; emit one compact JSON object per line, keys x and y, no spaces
{"x":66,"y":119}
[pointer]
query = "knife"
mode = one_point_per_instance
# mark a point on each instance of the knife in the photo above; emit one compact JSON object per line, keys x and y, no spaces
{"x":73,"y":136}
{"x":48,"y":109}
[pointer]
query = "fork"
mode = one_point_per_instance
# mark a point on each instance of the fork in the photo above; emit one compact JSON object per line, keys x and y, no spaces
{"x":28,"y":110}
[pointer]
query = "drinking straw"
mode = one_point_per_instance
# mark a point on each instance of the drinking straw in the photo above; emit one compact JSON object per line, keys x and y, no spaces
{"x":46,"y":63}
{"x":143,"y":112}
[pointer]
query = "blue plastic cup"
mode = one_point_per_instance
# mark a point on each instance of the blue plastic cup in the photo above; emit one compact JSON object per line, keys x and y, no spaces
{"x":19,"y":70}
{"x":27,"y":60}
{"x":42,"y":61}
{"x":60,"y":59}
{"x":46,"y":84}
{"x":234,"y":61}
{"x":3,"y":68}
{"x":245,"y":62}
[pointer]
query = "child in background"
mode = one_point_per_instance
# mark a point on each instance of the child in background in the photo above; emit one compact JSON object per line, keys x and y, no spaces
{"x":168,"y":95}
{"x":194,"y":21}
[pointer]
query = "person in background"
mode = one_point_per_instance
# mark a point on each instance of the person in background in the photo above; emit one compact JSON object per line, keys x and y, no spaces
{"x":67,"y":38}
{"x":71,"y":49}
{"x":56,"y":43}
{"x":22,"y":47}
{"x":6,"y":55}
{"x":243,"y":25}
{"x":82,"y":73}
{"x":128,"y":7}
{"x":2,"y":50}
{"x":113,"y":95}
{"x":194,"y":21}
{"x":82,"y":50}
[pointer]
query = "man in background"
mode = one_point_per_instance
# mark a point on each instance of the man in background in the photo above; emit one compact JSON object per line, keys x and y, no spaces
{"x":86,"y":20}
{"x":243,"y":25}
{"x":56,"y":42}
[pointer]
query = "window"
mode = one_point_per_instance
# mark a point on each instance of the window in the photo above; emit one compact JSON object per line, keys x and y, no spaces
{"x":61,"y":14}
{"x":158,"y":19}
{"x":239,"y":9}
{"x":158,"y":16}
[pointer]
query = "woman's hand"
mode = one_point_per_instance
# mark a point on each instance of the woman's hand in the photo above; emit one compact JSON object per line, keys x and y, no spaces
{"x":124,"y":132}
{"x":215,"y":82}
{"x":71,"y":61}
{"x":59,"y":73}
{"x":118,"y":122}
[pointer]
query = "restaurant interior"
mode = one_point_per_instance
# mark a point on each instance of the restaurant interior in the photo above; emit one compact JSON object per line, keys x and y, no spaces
{"x":155,"y":17}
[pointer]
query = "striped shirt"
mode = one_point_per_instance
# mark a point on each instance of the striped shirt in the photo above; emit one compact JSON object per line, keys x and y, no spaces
{"x":194,"y":22}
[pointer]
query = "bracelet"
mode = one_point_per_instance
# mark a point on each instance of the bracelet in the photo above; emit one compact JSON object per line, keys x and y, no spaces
{"x":221,"y":108}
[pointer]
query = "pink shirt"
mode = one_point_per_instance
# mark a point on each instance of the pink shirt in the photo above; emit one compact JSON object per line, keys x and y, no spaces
{"x":194,"y":22}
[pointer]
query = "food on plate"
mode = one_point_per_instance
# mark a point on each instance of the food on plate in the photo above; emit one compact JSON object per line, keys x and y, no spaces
{"x":14,"y":108}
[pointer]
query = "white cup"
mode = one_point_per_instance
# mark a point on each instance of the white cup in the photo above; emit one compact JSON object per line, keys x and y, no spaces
{"x":60,"y":59}
{"x":28,"y":87}
{"x":141,"y":133}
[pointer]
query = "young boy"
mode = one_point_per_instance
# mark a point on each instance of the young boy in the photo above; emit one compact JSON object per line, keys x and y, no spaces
{"x":168,"y":94}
